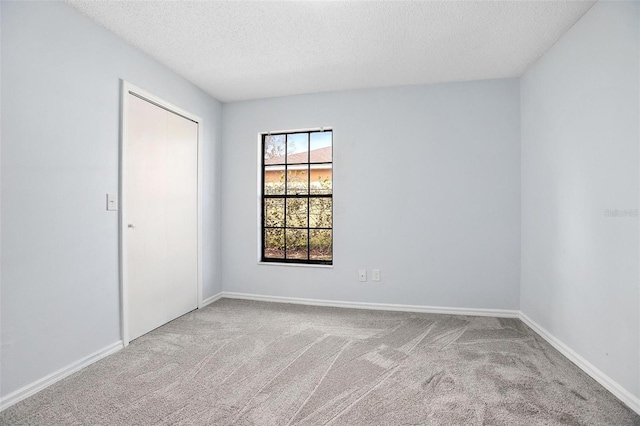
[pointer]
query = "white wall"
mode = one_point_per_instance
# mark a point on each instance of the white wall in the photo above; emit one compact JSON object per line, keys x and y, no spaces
{"x":579,"y":158}
{"x":427,"y":188}
{"x":60,"y":121}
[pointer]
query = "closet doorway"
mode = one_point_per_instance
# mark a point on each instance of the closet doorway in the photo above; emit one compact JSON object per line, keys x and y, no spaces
{"x":159,"y":220}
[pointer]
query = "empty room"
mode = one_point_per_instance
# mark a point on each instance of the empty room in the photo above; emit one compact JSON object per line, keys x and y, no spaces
{"x":310,"y":213}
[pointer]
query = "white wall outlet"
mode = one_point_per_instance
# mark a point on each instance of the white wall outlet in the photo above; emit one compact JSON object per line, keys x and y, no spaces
{"x":362,"y":275}
{"x":112,"y":202}
{"x":375,"y":275}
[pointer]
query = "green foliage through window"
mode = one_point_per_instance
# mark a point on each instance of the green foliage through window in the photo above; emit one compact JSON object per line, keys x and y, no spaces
{"x":297,"y":197}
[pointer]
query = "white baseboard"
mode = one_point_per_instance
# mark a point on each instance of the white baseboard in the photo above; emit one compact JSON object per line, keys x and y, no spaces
{"x":210,"y":300}
{"x":611,"y":385}
{"x":502,"y":313}
{"x":38,"y":385}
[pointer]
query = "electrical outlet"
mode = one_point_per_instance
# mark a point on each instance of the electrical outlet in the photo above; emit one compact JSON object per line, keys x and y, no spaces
{"x":375,"y":275}
{"x":362,"y":275}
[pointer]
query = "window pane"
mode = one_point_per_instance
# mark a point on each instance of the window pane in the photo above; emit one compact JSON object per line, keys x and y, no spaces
{"x":297,"y":180}
{"x":298,"y":188}
{"x":274,"y":212}
{"x":320,"y":244}
{"x":274,"y":243}
{"x":297,"y":212}
{"x":273,"y":180}
{"x":274,"y":149}
{"x":320,"y":147}
{"x":321,"y":179}
{"x":320,"y":213}
{"x":298,"y":148}
{"x":297,"y":244}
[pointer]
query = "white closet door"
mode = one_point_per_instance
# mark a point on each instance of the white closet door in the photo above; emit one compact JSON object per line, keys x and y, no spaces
{"x":160,"y":182}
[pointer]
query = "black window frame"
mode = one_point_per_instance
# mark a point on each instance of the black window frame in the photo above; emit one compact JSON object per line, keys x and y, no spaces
{"x":287,"y":196}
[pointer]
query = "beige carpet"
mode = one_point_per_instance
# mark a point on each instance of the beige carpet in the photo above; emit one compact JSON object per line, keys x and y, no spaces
{"x":253,"y":363}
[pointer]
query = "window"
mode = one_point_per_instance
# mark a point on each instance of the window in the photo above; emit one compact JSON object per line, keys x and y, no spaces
{"x":297,"y":197}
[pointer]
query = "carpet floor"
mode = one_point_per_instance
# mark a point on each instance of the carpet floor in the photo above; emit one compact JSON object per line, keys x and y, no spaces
{"x":253,"y":363}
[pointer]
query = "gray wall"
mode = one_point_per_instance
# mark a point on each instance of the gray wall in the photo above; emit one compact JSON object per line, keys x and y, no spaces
{"x":427,"y":188}
{"x":60,"y":118}
{"x":579,"y":158}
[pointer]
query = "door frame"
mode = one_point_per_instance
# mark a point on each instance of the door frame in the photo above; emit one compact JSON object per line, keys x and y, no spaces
{"x":126,"y":89}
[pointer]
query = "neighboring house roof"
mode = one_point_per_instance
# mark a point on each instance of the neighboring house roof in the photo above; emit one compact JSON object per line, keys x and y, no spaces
{"x":321,"y":155}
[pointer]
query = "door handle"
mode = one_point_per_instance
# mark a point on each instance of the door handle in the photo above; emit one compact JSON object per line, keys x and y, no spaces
{"x":131,"y":225}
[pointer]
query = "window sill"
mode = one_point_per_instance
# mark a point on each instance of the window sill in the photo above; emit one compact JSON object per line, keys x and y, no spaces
{"x":296,"y":265}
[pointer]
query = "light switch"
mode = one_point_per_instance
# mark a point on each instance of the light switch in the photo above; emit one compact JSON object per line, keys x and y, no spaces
{"x":112,"y":202}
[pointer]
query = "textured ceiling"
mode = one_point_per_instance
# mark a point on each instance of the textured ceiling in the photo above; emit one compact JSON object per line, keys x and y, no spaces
{"x":246,"y":50}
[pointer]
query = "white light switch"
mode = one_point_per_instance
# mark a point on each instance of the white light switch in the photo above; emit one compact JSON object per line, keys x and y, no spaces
{"x":375,"y":275}
{"x":112,"y":202}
